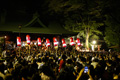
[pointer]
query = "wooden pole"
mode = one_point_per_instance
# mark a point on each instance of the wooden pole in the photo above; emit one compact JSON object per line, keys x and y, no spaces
{"x":65,"y":50}
{"x":19,"y":50}
{"x":40,"y":48}
{"x":29,"y":49}
{"x":56,"y":50}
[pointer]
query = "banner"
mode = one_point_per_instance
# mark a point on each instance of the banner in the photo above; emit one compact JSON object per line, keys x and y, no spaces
{"x":18,"y":41}
{"x":71,"y":41}
{"x":63,"y":43}
{"x":28,"y":39}
{"x":47,"y":42}
{"x":78,"y":42}
{"x":55,"y":41}
{"x":39,"y":41}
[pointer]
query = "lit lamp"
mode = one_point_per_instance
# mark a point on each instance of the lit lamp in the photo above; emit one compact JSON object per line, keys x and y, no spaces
{"x":93,"y":46}
{"x":5,"y":37}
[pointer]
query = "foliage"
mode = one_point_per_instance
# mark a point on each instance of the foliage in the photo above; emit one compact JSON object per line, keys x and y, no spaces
{"x":112,"y":22}
{"x":112,"y":33}
{"x":83,"y":16}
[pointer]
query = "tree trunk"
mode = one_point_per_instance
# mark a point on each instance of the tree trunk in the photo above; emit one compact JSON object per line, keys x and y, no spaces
{"x":87,"y":40}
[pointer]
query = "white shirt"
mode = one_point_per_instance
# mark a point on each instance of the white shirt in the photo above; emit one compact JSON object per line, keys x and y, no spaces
{"x":94,"y":64}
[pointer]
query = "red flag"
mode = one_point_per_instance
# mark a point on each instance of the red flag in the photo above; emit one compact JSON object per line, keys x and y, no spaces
{"x":18,"y":41}
{"x":47,"y":42}
{"x":63,"y":43}
{"x":78,"y":42}
{"x":28,"y":39}
{"x":71,"y":41}
{"x":39,"y":41}
{"x":55,"y":41}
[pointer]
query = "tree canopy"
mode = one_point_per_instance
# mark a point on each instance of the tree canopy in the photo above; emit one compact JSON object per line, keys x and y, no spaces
{"x":112,"y":32}
{"x":83,"y":16}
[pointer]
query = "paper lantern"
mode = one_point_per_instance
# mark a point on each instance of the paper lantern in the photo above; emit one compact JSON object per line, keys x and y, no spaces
{"x":55,"y":41}
{"x":39,"y":41}
{"x":47,"y":43}
{"x":71,"y":41}
{"x":28,"y":39}
{"x":18,"y":41}
{"x":63,"y":43}
{"x":78,"y":42}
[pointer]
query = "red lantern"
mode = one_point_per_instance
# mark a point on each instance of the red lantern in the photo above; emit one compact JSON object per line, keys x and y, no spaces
{"x":18,"y":41}
{"x":71,"y":41}
{"x":63,"y":43}
{"x":28,"y":39}
{"x":39,"y":41}
{"x":47,"y":43}
{"x":55,"y":41}
{"x":78,"y":42}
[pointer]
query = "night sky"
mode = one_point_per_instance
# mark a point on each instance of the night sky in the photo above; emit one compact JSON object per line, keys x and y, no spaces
{"x":16,"y":9}
{"x":23,"y":10}
{"x":24,"y":7}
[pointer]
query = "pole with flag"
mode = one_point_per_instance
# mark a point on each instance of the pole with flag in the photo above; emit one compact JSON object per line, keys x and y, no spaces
{"x":19,"y":43}
{"x":72,"y":43}
{"x":39,"y":42}
{"x":28,"y":41}
{"x":47,"y":43}
{"x":55,"y":43}
{"x":78,"y":42}
{"x":64,"y":44}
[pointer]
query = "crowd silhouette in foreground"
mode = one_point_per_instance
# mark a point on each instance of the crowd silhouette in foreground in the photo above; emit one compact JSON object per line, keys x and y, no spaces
{"x":60,"y":64}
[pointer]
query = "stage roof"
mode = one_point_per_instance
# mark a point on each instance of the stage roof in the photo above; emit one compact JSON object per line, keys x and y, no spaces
{"x":35,"y":26}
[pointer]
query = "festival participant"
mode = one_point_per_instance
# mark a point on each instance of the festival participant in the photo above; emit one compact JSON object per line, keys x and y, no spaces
{"x":4,"y":53}
{"x":2,"y":70}
{"x":63,"y":65}
{"x":62,"y":62}
{"x":84,"y":76}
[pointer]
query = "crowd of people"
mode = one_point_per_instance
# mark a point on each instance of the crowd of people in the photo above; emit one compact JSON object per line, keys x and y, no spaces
{"x":60,"y":64}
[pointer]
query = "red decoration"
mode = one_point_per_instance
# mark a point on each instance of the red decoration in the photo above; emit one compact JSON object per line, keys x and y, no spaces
{"x":47,"y":42}
{"x":78,"y":42}
{"x":39,"y":41}
{"x":28,"y":39}
{"x":55,"y":41}
{"x":71,"y":41}
{"x":63,"y":43}
{"x":18,"y":41}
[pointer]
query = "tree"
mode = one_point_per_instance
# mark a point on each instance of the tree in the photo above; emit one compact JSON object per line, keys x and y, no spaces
{"x":112,"y":31}
{"x":83,"y":16}
{"x":87,"y":31}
